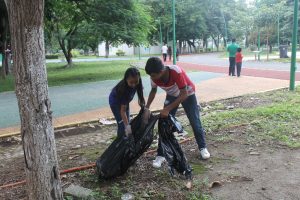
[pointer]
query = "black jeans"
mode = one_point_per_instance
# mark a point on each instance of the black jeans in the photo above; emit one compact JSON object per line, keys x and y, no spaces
{"x":231,"y":66}
{"x":192,"y":111}
{"x":238,"y":68}
{"x":117,"y":114}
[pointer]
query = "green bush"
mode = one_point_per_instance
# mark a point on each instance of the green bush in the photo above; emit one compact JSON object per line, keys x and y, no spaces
{"x":120,"y":53}
{"x":75,"y":53}
{"x":52,"y":56}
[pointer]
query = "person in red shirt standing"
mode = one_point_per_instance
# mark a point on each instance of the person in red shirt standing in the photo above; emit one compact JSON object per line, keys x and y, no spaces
{"x":180,"y":90}
{"x":238,"y":61}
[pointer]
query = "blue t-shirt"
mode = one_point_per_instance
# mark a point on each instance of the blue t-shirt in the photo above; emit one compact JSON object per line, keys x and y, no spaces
{"x":125,"y":99}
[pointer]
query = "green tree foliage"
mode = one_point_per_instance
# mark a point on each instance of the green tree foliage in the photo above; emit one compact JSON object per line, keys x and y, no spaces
{"x":126,"y":21}
{"x":63,"y":19}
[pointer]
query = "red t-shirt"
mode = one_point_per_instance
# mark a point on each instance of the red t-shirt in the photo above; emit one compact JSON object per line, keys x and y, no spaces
{"x":238,"y":57}
{"x":177,"y":80}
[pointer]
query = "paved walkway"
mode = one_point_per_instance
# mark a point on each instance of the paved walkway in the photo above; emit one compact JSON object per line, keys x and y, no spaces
{"x":266,"y":73}
{"x":215,"y":59}
{"x":79,"y":103}
{"x":71,"y":99}
{"x":208,"y":90}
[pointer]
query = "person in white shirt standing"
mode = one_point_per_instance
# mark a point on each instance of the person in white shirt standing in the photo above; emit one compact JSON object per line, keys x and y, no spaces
{"x":164,"y":51}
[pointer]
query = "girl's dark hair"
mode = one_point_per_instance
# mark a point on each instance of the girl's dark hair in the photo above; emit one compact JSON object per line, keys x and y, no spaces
{"x":239,"y":49}
{"x":122,"y":86}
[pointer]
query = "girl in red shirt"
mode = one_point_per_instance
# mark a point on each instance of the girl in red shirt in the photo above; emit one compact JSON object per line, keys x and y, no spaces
{"x":238,"y":61}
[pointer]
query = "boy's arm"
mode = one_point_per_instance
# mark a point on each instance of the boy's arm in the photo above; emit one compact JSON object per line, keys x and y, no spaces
{"x":182,"y":96}
{"x":151,"y":97}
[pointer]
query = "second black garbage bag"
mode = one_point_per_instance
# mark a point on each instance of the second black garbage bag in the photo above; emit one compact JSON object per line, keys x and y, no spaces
{"x":171,"y":148}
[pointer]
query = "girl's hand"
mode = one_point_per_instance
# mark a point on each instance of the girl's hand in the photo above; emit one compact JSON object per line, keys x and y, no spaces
{"x":164,"y":113}
{"x":128,"y":130}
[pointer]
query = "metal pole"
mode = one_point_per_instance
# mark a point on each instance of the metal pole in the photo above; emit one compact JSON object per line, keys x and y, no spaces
{"x":278,"y":34}
{"x":174,"y":32}
{"x":294,"y":47}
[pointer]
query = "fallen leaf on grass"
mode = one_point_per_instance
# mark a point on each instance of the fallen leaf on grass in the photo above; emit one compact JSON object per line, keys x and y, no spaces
{"x":73,"y":157}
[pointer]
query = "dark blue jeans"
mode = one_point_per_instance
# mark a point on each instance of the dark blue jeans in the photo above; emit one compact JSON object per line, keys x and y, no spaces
{"x":231,"y":66}
{"x":116,"y":109}
{"x":192,"y":111}
{"x":238,"y":68}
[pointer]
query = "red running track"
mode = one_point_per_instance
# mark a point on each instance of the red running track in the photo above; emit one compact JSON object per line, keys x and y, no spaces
{"x":265,"y":73}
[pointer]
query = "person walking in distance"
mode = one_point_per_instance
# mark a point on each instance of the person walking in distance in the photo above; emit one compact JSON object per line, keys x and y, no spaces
{"x":232,"y":49}
{"x":164,"y":51}
{"x":239,"y":60}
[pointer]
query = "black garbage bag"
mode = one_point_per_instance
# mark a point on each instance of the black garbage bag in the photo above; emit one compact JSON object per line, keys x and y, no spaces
{"x":123,"y":152}
{"x":171,"y":148}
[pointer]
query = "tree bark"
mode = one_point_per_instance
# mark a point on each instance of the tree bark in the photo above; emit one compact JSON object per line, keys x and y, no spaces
{"x":67,"y":51}
{"x":4,"y":67}
{"x":41,"y":166}
{"x":4,"y":33}
{"x":106,"y":49}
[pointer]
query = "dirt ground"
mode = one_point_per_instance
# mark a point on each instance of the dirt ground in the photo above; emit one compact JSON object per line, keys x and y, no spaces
{"x":242,"y":165}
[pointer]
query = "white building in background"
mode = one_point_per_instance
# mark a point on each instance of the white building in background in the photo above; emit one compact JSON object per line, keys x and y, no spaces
{"x":129,"y":50}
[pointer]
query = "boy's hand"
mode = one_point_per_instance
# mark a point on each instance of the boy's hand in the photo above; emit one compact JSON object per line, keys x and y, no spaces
{"x":164,"y":113}
{"x":146,"y":115}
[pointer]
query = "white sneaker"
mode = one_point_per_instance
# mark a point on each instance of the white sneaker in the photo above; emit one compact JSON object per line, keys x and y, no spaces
{"x":158,"y":161}
{"x":204,"y":153}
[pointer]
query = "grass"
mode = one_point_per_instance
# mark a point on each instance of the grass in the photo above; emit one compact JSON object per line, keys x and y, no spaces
{"x":7,"y":84}
{"x":91,"y":153}
{"x":248,"y":53}
{"x":80,"y":73}
{"x":284,"y":60}
{"x":198,"y":168}
{"x":279,"y":121}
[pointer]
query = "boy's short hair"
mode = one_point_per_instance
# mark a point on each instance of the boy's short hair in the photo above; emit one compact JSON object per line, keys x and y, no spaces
{"x":239,"y":49}
{"x":154,"y":65}
{"x":233,"y":40}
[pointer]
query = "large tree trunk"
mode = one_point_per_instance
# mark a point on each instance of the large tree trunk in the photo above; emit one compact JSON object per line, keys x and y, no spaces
{"x":41,"y":166}
{"x":4,"y":67}
{"x":246,"y":40}
{"x":106,"y":49}
{"x":225,"y":43}
{"x":67,"y":49}
{"x":218,"y":45}
{"x":69,"y":54}
{"x":180,"y":46}
{"x":4,"y":33}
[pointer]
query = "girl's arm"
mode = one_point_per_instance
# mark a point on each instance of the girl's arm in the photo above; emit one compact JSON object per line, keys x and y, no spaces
{"x":123,"y":115}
